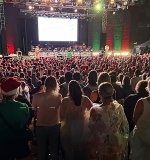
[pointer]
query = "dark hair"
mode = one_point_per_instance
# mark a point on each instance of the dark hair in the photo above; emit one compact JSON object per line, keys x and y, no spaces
{"x":22,"y":75}
{"x":92,"y":78}
{"x":141,"y":87}
{"x":126,"y":81}
{"x":75,"y":92}
{"x":68,"y":77}
{"x":113,"y":77}
{"x":77,"y":76}
{"x":137,"y":72}
{"x":144,"y":76}
{"x":43,"y":78}
{"x":120,"y":77}
{"x":39,"y":83}
{"x":61,"y":79}
{"x":51,"y":83}
{"x":57,"y":74}
{"x":103,"y":77}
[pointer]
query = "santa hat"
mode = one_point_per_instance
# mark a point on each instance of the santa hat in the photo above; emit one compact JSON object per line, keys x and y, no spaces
{"x":10,"y":86}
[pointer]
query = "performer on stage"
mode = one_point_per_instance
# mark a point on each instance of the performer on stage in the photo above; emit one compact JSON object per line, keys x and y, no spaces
{"x":19,"y":53}
{"x":84,"y":46}
{"x":37,"y":52}
{"x":106,"y":50}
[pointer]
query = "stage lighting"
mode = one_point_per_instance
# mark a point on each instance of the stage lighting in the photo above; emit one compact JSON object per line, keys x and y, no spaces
{"x":95,"y":53}
{"x":125,"y":53}
{"x":111,"y":1}
{"x":125,"y":3}
{"x":30,"y":7}
{"x":98,"y":7}
{"x":75,"y":10}
{"x":51,"y":8}
{"x":117,"y":53}
{"x":79,"y":1}
{"x":109,"y":53}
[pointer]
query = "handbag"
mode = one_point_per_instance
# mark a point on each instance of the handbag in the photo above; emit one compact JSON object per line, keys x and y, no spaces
{"x":18,"y":143}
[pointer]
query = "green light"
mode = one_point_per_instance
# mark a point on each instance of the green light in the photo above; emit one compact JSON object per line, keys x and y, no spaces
{"x":118,"y":32}
{"x":98,"y":7}
{"x":96,"y":41}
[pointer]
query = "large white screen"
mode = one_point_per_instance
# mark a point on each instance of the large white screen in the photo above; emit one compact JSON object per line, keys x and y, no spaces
{"x":57,"y":29}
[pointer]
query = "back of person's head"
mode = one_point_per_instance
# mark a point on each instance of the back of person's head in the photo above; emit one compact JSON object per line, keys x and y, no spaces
{"x":92,"y":78}
{"x":68,"y":77}
{"x":137,"y":72}
{"x":77,"y":76}
{"x":51,"y":84}
{"x":106,"y":90}
{"x":12,"y":74}
{"x":39,"y":83}
{"x":113,"y":77}
{"x":49,"y":72}
{"x":144,"y":76}
{"x":141,"y":87}
{"x":126,"y":81}
{"x":29,"y":81}
{"x":75,"y":92}
{"x":103,"y":77}
{"x":120,"y":77}
{"x":61,"y":79}
{"x":57,"y":74}
{"x":22,"y":76}
{"x":43,"y":78}
{"x":23,"y":84}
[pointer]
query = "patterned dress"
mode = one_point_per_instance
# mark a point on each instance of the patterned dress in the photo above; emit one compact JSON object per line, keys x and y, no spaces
{"x":109,"y":132}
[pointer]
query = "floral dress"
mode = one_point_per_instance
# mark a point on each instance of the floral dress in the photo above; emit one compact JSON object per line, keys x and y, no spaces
{"x":108,"y":132}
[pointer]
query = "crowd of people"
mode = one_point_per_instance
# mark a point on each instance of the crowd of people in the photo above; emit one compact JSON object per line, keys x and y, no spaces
{"x":91,"y":108}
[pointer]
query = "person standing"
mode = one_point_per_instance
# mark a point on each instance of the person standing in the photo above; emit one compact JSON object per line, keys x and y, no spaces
{"x":140,"y":140}
{"x":108,"y":127}
{"x":46,"y":106}
{"x":13,"y":120}
{"x":135,"y":79}
{"x":72,"y":113}
{"x":37,"y":52}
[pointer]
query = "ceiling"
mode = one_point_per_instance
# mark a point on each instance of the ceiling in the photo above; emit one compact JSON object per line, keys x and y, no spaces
{"x":70,"y":8}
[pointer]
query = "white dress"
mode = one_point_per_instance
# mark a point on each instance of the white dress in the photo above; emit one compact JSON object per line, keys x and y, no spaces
{"x":140,"y":140}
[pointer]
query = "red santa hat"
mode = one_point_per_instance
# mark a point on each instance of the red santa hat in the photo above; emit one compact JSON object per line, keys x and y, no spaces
{"x":10,"y":86}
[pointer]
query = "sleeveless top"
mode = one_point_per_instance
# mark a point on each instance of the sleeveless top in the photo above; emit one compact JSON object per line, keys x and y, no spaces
{"x":144,"y":120}
{"x":142,"y":128}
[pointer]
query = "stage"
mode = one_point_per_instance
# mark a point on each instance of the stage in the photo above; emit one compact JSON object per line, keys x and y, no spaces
{"x":63,"y":54}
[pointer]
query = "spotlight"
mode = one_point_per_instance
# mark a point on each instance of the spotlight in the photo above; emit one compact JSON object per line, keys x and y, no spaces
{"x":75,"y":10}
{"x":51,"y":8}
{"x":98,"y":7}
{"x":125,"y":3}
{"x":114,"y":12}
{"x":79,"y":1}
{"x":30,"y":7}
